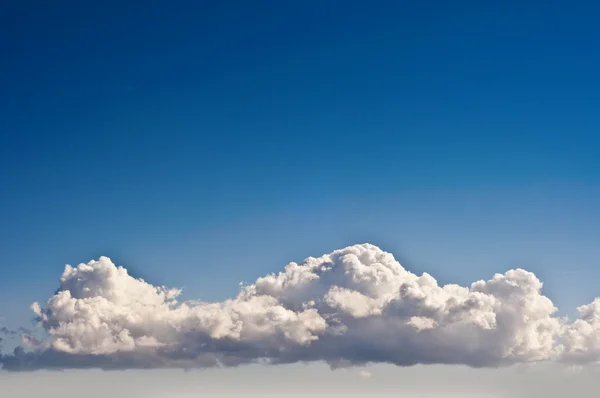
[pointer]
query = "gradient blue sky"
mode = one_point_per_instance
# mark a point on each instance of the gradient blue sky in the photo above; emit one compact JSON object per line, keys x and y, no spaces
{"x":204,"y":143}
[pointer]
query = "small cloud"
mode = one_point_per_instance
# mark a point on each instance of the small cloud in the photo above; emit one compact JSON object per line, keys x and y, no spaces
{"x":365,"y":374}
{"x":29,"y":341}
{"x":573,"y":369}
{"x":8,"y":333}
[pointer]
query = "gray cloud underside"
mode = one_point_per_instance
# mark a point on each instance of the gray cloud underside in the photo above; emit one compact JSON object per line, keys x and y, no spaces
{"x":353,"y":306}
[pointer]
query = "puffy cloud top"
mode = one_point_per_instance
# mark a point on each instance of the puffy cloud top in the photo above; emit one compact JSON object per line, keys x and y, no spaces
{"x":352,"y":306}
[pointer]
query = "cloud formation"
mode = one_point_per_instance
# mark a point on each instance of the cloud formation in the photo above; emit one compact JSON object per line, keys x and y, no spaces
{"x":353,"y":306}
{"x":8,"y":332}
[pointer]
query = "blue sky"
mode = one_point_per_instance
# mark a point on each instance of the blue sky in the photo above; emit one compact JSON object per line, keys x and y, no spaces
{"x":201,"y":144}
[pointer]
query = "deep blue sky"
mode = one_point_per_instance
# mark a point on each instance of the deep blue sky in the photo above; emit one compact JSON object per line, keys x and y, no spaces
{"x":201,"y":143}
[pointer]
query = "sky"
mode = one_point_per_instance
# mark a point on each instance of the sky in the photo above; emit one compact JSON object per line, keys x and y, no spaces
{"x":203,"y":144}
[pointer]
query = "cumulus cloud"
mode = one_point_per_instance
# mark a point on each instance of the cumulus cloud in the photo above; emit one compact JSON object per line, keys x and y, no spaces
{"x":354,"y":306}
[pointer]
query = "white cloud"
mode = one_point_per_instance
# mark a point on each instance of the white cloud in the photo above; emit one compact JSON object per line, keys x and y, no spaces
{"x":353,"y":306}
{"x":365,"y":374}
